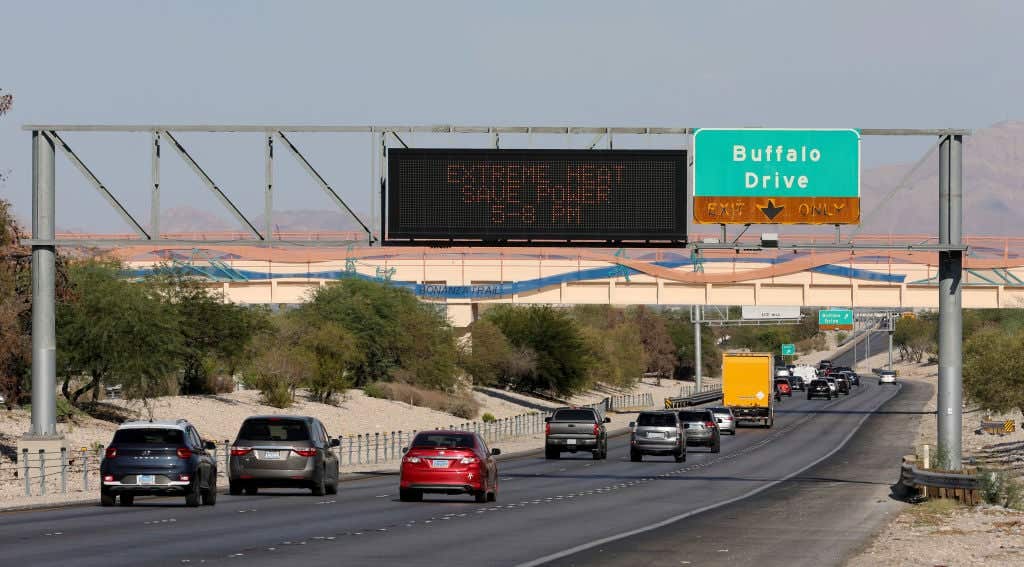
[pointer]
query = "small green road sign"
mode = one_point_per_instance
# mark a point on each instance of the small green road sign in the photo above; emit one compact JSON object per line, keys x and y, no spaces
{"x":835,"y":319}
{"x":788,"y":350}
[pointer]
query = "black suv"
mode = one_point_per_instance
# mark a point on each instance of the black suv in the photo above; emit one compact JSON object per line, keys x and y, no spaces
{"x":819,"y":388}
{"x":165,"y":458}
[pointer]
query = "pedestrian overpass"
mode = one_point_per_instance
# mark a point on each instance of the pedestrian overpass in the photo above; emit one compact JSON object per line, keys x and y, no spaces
{"x":462,"y":279}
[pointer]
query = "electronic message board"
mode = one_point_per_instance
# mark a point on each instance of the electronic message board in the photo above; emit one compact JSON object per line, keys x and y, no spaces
{"x":525,"y":196}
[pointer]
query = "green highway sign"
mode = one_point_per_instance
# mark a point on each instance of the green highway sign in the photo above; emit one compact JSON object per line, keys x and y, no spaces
{"x":788,"y":349}
{"x":835,"y":319}
{"x":776,"y":176}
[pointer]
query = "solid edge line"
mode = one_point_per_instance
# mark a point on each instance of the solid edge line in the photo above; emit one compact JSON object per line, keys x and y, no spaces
{"x":674,"y":519}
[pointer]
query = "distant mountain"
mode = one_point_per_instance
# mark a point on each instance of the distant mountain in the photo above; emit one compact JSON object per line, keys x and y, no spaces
{"x":993,"y":188}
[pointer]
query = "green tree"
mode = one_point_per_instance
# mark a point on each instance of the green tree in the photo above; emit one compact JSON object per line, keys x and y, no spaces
{"x":562,"y":355}
{"x":680,"y":329}
{"x":992,"y":360}
{"x":112,"y":331}
{"x":399,"y":336}
{"x":335,"y":354}
{"x":660,"y":352}
{"x":215,"y":335}
{"x":278,"y":366}
{"x":616,"y":354}
{"x":487,"y":354}
{"x":915,"y":337}
{"x":15,"y":308}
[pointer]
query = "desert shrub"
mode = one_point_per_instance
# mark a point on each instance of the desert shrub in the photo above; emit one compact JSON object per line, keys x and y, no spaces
{"x":277,"y":394}
{"x":488,"y":418}
{"x":461,"y":405}
{"x":1001,"y":489}
{"x":376,"y":390}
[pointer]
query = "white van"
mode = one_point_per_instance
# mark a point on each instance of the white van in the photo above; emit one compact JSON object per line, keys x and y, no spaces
{"x":805,"y":373}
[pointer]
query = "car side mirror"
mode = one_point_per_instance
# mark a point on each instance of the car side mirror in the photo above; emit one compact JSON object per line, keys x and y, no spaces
{"x":495,"y":452}
{"x":547,"y":419}
{"x":632,"y":424}
{"x":405,"y":449}
{"x":335,"y":442}
{"x":209,"y":445}
{"x":607,"y":420}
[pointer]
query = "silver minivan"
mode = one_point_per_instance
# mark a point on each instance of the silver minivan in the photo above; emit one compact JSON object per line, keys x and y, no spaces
{"x":657,"y":433}
{"x":291,"y":451}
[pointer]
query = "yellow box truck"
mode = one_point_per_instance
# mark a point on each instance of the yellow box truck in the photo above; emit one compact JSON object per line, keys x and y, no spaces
{"x":748,"y":386}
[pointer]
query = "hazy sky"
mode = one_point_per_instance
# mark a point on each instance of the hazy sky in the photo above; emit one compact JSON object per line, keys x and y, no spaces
{"x":786,"y":64}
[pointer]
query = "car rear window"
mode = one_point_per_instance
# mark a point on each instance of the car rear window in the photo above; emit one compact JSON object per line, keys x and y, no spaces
{"x":693,"y":415}
{"x":574,"y":415}
{"x":656,"y":420}
{"x":274,"y":430}
{"x":447,"y":440}
{"x":147,"y":436}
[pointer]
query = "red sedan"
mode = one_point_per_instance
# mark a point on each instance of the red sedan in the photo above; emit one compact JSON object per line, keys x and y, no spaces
{"x":449,"y":462}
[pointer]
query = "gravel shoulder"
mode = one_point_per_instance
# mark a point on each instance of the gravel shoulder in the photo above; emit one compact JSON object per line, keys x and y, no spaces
{"x":940,"y":533}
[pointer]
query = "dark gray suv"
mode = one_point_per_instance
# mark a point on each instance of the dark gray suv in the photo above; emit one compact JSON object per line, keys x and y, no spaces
{"x":283,"y":451}
{"x":657,"y":433}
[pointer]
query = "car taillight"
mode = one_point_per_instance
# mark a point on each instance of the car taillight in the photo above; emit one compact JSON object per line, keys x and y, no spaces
{"x":547,"y":429}
{"x":411,"y":459}
{"x":108,"y":478}
{"x":597,"y":429}
{"x":468,"y":460}
{"x":110,"y":453}
{"x":184,"y":477}
{"x":240,"y":451}
{"x":709,"y":424}
{"x":184,"y":453}
{"x":305,"y":452}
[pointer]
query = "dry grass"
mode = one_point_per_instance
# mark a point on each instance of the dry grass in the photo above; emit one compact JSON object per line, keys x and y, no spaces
{"x":459,"y":405}
{"x":933,"y":511}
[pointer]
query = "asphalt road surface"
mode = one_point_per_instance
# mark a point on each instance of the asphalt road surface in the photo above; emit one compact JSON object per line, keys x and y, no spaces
{"x":546,"y":510}
{"x":878,"y":343}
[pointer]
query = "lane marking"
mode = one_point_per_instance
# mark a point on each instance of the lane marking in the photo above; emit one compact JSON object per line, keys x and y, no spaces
{"x":683,"y":516}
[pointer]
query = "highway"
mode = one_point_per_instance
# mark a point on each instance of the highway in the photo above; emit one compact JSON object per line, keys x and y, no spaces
{"x":546,"y":510}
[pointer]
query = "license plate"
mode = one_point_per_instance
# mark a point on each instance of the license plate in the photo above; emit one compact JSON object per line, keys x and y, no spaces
{"x":655,"y":435}
{"x":272,"y":455}
{"x":147,"y":479}
{"x":439,"y":463}
{"x":570,"y":441}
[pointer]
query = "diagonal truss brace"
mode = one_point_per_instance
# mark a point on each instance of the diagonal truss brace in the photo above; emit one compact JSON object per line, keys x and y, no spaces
{"x":323,"y":183}
{"x":213,"y":186}
{"x":60,"y":143}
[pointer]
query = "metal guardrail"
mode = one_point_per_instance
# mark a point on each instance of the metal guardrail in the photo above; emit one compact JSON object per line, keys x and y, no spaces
{"x":964,"y":487}
{"x":998,"y":427}
{"x":695,"y":399}
{"x":626,"y":401}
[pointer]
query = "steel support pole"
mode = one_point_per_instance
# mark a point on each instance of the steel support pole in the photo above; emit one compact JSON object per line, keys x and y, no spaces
{"x":268,"y":191}
{"x":890,"y":349}
{"x":154,"y":203}
{"x":697,"y":371}
{"x":44,"y":336}
{"x":950,"y":393}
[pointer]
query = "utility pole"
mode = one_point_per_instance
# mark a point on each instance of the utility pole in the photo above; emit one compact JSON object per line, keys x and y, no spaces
{"x":696,"y":345}
{"x":950,"y":393}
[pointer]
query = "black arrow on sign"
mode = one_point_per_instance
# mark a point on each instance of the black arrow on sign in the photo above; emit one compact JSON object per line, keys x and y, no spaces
{"x":771,"y":211}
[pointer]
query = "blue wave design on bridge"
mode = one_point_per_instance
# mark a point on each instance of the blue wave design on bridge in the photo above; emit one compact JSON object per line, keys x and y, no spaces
{"x":497,"y":290}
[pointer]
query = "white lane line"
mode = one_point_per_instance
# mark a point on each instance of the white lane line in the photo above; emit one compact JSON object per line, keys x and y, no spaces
{"x":683,"y":516}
